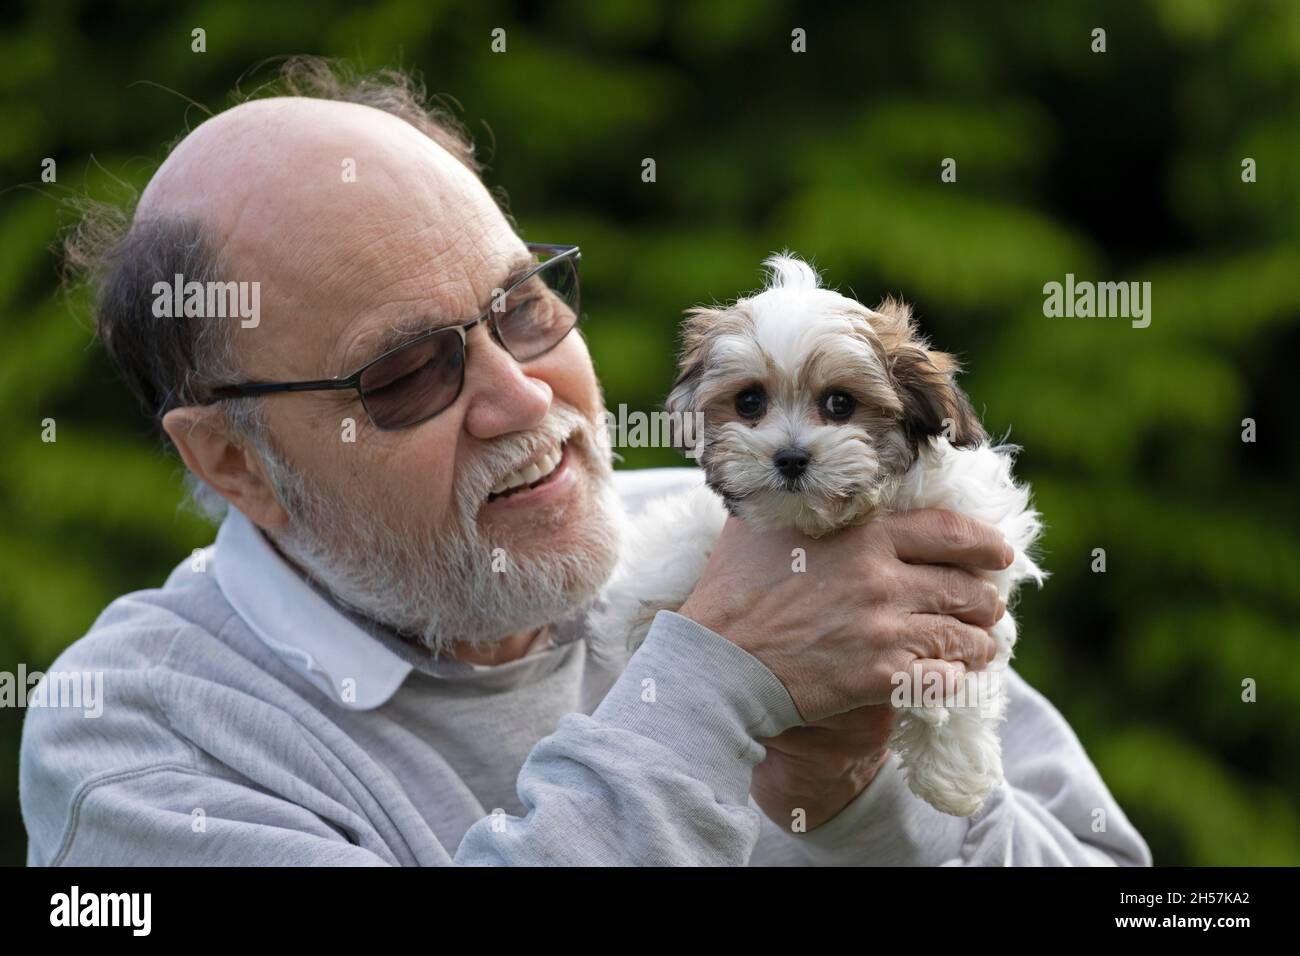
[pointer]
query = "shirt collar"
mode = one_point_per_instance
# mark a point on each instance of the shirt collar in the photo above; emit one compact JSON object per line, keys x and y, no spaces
{"x":297,"y":622}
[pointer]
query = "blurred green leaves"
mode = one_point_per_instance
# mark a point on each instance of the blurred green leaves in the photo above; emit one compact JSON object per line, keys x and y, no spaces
{"x":1123,"y":166}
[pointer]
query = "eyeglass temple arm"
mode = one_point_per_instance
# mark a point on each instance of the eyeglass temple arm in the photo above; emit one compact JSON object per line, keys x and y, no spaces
{"x":249,"y":389}
{"x":550,"y":247}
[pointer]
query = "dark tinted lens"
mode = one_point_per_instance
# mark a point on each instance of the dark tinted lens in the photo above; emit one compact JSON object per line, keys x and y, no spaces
{"x":541,"y":311}
{"x":414,"y":382}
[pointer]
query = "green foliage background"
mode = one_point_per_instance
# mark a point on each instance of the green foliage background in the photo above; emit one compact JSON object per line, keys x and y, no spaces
{"x":1117,"y":166}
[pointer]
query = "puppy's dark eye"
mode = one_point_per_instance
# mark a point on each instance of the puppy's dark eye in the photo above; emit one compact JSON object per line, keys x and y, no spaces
{"x":837,"y":406}
{"x":751,"y":403}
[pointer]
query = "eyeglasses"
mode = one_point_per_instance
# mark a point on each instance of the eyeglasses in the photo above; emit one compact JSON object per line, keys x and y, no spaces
{"x":418,"y":379}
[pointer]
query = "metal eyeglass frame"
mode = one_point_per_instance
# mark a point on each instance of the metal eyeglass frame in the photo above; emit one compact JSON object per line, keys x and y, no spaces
{"x":558,"y":253}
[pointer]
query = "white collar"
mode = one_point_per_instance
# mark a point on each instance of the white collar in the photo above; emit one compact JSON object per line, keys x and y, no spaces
{"x":353,"y":668}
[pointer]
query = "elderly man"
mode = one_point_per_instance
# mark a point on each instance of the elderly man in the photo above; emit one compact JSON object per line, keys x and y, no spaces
{"x":382,"y":658}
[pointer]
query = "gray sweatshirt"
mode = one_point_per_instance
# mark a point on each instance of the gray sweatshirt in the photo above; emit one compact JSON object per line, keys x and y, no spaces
{"x":244,"y":719}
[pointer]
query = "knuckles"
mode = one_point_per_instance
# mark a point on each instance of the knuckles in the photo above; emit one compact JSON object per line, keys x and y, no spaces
{"x":881,"y":579}
{"x":956,"y":590}
{"x":947,"y":637}
{"x":956,"y":530}
{"x":983,"y":603}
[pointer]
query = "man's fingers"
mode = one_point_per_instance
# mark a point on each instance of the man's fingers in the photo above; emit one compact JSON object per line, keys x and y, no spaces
{"x":932,"y":536}
{"x":937,"y":636}
{"x":953,"y":591}
{"x":951,"y":674}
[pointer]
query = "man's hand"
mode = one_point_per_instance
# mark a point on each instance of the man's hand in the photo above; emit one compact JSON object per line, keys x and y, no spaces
{"x":873,"y":600}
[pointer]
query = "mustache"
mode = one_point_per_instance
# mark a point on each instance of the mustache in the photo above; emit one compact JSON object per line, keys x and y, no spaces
{"x":511,"y":452}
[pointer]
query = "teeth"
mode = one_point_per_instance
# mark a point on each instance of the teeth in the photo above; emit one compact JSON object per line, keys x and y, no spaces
{"x":533,"y":471}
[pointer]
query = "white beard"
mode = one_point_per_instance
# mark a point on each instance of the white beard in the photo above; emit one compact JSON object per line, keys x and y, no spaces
{"x":439,"y":586}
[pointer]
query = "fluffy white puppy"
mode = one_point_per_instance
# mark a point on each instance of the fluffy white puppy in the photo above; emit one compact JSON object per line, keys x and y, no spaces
{"x":819,"y":413}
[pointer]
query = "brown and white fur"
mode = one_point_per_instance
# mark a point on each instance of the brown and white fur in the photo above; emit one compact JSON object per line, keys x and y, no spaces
{"x":900,"y":435}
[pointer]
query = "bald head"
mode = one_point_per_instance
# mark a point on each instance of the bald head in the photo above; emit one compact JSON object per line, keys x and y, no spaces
{"x":348,"y":217}
{"x":271,"y":158}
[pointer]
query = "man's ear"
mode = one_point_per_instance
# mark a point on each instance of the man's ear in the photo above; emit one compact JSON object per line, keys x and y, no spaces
{"x":926,"y":380}
{"x":233,"y":470}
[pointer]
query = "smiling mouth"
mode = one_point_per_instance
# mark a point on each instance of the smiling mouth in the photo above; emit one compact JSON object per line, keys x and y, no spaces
{"x":534,"y":473}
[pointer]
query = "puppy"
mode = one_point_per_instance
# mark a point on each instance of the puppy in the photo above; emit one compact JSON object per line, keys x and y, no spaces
{"x":819,"y":413}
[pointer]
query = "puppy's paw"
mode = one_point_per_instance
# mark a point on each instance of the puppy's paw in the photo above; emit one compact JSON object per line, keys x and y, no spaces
{"x":954,"y":766}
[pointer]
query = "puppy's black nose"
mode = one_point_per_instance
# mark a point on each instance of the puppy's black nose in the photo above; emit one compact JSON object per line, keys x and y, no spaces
{"x":791,"y":462}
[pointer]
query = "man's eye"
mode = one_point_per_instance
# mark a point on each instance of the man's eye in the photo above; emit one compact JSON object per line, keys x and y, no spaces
{"x":837,"y":406}
{"x":528,"y":311}
{"x":398,"y":378}
{"x":525,"y":310}
{"x":751,"y":403}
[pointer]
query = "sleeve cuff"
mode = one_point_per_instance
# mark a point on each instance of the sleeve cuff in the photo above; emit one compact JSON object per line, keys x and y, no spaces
{"x":702,"y":697}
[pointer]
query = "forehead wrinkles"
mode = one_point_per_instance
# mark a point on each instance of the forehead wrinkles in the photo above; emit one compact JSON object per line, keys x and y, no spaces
{"x":418,"y":257}
{"x":448,"y":290}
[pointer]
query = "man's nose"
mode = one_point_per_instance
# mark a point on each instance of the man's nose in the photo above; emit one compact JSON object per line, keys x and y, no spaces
{"x":503,"y":397}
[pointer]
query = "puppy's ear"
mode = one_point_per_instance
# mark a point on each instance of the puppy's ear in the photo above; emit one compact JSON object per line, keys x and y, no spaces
{"x":693,"y":359}
{"x":926,"y":380}
{"x":932,"y":402}
{"x":683,"y":400}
